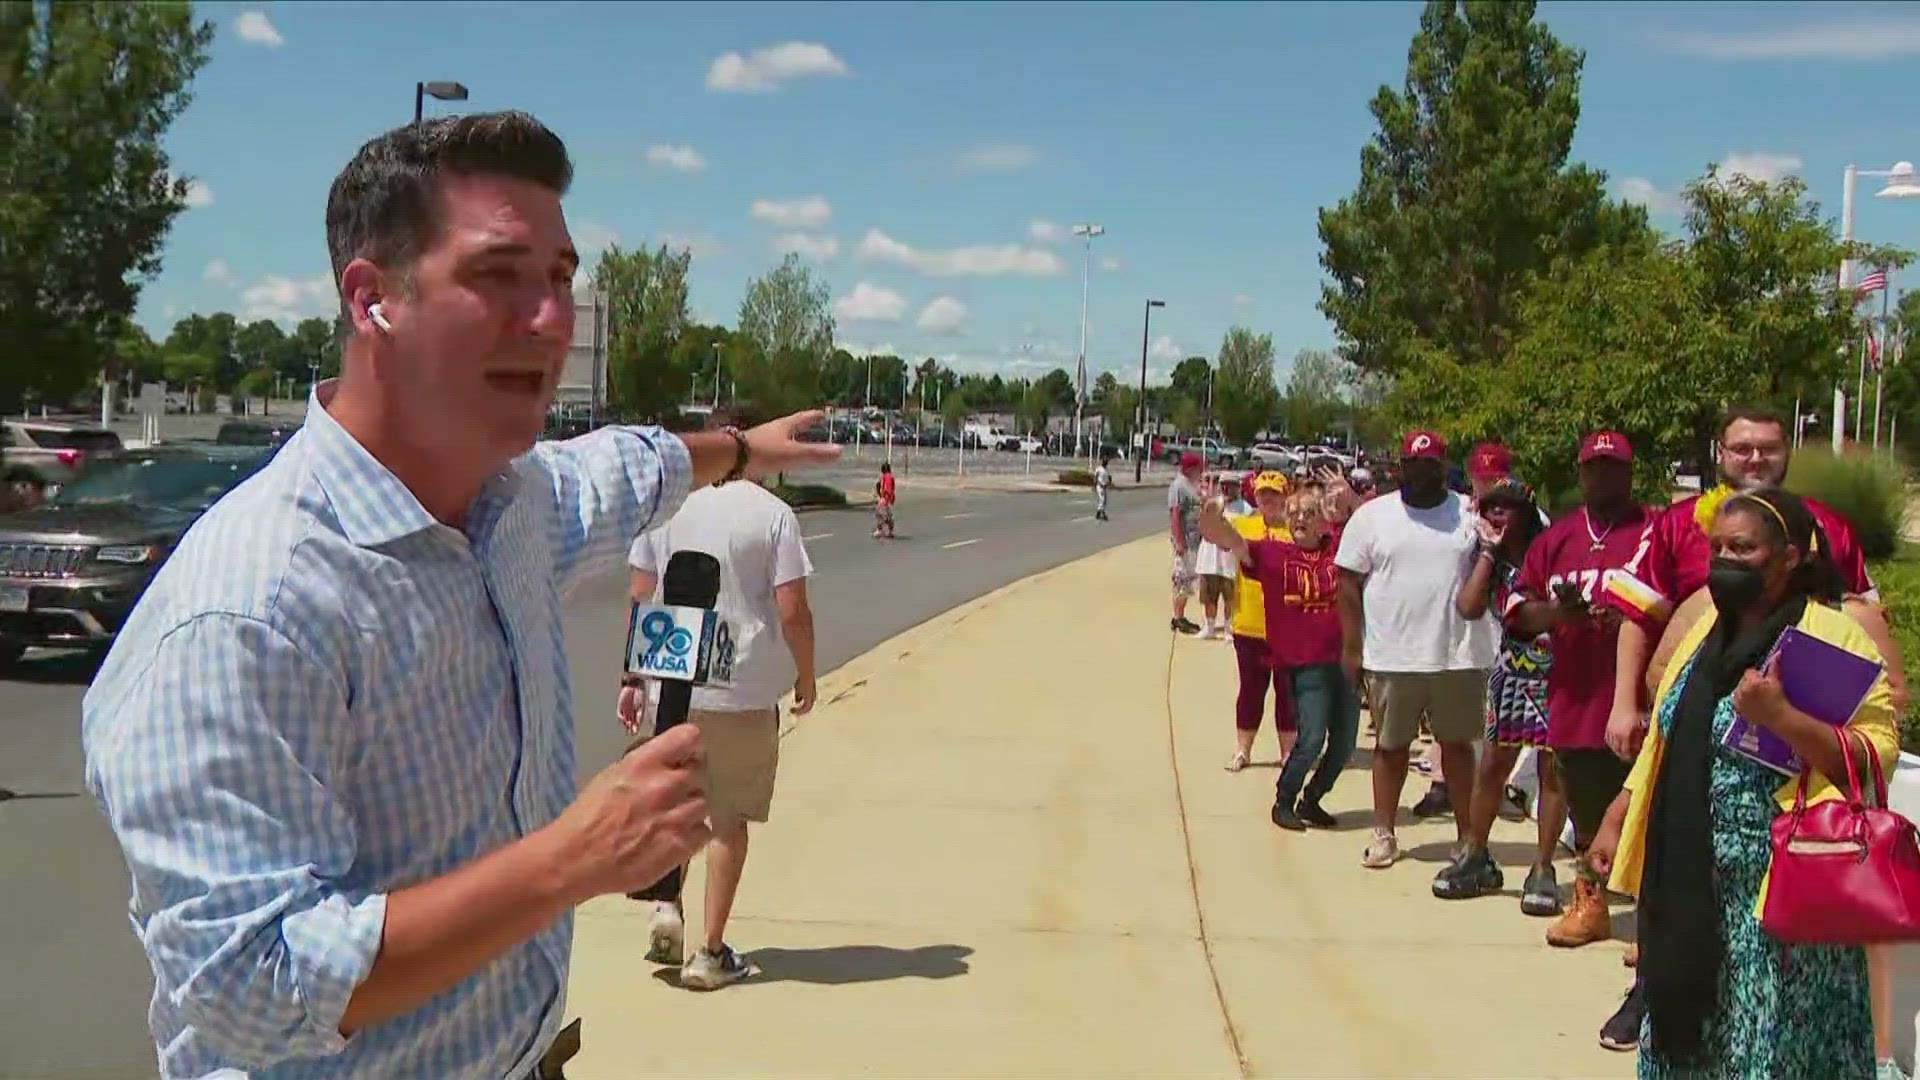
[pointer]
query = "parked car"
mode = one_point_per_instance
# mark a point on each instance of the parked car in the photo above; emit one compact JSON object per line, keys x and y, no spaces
{"x":1274,"y":457}
{"x":72,"y":568}
{"x":38,"y":456}
{"x":1214,"y":452}
{"x":255,"y":432}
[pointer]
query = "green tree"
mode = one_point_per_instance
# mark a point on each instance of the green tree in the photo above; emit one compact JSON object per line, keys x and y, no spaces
{"x":312,"y":345}
{"x":953,"y":409}
{"x":1244,"y":395}
{"x":260,"y":346}
{"x":1036,"y":405}
{"x":212,"y":336}
{"x":785,"y":335}
{"x":1465,"y":191}
{"x":1104,"y":385}
{"x":646,"y":296}
{"x":87,"y":195}
{"x":1190,"y":377}
{"x":1314,"y":399}
{"x":1121,"y":407}
{"x":187,"y":369}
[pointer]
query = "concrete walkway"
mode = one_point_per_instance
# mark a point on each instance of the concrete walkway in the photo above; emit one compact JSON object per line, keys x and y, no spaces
{"x":1004,"y":846}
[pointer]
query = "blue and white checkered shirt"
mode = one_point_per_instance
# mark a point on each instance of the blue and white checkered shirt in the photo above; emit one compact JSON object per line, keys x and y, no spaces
{"x":327,"y":695}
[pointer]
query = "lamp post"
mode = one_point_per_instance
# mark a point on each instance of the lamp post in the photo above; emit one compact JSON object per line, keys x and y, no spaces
{"x":1086,"y":231}
{"x":1902,"y":183}
{"x":1140,"y":424}
{"x":441,"y":89}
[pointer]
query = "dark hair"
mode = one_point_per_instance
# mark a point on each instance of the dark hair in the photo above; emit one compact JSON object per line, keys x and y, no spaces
{"x":1784,"y":517}
{"x":385,"y":205}
{"x":1523,"y":528}
{"x":1753,"y":414}
{"x":886,"y":466}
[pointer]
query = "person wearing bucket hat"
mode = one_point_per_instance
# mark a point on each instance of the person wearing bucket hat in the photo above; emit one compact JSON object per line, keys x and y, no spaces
{"x":1403,"y":558}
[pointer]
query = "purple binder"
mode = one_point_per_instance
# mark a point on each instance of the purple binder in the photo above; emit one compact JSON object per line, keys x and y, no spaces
{"x":1821,"y":679}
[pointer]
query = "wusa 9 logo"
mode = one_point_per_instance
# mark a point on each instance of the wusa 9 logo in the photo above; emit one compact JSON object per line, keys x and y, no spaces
{"x":681,"y":643}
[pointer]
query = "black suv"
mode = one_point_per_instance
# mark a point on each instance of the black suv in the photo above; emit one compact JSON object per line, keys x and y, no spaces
{"x":72,"y":568}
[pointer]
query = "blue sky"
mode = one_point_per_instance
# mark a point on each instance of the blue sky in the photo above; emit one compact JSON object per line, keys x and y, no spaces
{"x":927,"y":158}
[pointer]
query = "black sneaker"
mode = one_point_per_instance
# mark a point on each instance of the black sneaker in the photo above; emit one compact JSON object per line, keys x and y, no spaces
{"x":1473,"y":874}
{"x":1513,"y":804}
{"x":1185,"y":626}
{"x":1540,"y":896}
{"x":1622,"y":1030}
{"x":1434,"y":803}
{"x":1310,"y":812}
{"x":1287,"y":818}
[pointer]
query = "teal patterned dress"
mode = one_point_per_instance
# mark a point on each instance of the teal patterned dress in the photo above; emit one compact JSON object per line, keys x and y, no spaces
{"x":1799,"y":1016}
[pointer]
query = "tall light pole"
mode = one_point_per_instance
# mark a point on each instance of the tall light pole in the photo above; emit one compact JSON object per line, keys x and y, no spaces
{"x":1902,"y":183}
{"x":716,"y":374}
{"x":1086,"y":231}
{"x":1140,"y":426}
{"x":442,"y":89}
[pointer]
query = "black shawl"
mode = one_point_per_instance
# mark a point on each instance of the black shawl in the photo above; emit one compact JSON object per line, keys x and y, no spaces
{"x":1680,"y":946}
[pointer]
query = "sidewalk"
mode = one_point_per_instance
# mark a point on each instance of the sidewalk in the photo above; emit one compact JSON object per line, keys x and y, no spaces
{"x":997,"y":851}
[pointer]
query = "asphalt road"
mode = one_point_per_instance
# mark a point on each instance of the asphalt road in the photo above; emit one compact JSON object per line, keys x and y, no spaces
{"x":74,"y":984}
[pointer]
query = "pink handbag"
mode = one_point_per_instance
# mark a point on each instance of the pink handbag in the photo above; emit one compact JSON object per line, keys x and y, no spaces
{"x":1844,"y":872}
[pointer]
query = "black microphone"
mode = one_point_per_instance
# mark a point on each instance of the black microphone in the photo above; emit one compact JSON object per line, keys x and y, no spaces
{"x":679,"y":659}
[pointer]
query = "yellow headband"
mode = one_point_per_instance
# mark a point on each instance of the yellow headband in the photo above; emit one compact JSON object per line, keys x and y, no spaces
{"x":1813,"y":538}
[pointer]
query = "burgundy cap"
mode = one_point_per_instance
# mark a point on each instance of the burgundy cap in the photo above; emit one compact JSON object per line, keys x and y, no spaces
{"x":1191,"y":460}
{"x":1420,"y":443}
{"x":1607,"y":444}
{"x":1490,"y":461}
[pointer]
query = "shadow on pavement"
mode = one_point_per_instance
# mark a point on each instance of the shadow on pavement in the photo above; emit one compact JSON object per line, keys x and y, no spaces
{"x":54,"y":668}
{"x":843,"y":965}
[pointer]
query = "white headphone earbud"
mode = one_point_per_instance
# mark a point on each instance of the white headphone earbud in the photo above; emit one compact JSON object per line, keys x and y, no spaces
{"x":379,"y":318}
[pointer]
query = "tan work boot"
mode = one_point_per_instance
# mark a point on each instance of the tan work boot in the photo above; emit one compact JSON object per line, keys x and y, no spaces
{"x":1585,"y":921}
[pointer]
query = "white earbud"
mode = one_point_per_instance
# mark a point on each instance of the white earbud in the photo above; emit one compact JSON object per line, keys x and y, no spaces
{"x":379,"y":318}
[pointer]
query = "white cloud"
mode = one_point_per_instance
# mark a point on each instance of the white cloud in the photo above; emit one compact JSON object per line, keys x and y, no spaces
{"x":885,"y":348}
{"x":1242,"y":300}
{"x":1851,"y":40}
{"x":198,"y":194}
{"x":254,"y":28}
{"x":765,"y":69}
{"x":1002,"y":157}
{"x":870,"y":303}
{"x":1165,"y":348}
{"x":808,"y":245}
{"x":808,"y":213}
{"x":1639,"y":189}
{"x":981,"y":260}
{"x":288,"y":300}
{"x":682,"y":158}
{"x":944,"y":315}
{"x":218,"y":272}
{"x":1042,"y":231}
{"x":1759,"y":165}
{"x":702,"y":246}
{"x":591,"y":238}
{"x":1112,"y":262}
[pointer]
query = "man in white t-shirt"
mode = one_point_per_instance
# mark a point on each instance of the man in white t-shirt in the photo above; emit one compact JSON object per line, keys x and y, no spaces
{"x":763,"y":600}
{"x":1402,"y":560}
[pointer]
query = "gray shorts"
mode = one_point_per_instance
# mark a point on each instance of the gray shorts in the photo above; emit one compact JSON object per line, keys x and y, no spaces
{"x":1452,"y":703}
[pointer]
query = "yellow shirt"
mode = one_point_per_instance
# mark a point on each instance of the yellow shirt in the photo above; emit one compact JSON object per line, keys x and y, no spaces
{"x":1874,"y":719}
{"x":1249,"y":608}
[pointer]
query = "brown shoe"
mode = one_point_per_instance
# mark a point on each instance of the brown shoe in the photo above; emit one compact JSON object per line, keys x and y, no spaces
{"x":1585,"y":921}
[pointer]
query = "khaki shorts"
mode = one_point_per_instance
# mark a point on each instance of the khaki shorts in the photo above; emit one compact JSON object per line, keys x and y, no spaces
{"x":741,"y":754}
{"x":1452,"y":703}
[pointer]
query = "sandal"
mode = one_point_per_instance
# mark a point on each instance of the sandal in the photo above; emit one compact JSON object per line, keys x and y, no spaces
{"x":1238,"y":761}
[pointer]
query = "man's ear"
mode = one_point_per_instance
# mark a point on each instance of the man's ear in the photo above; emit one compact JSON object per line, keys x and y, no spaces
{"x":363,"y":285}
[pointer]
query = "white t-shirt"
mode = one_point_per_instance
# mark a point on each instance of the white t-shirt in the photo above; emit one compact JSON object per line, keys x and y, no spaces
{"x":757,"y":540}
{"x":1414,"y":561}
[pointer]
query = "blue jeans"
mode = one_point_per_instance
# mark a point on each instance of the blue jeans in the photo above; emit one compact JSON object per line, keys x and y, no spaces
{"x":1328,"y":712}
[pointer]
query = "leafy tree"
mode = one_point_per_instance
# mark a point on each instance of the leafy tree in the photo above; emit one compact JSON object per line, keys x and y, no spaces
{"x":785,"y":335}
{"x":1104,"y":385}
{"x":1058,"y":388}
{"x":87,"y":93}
{"x":1314,"y":393}
{"x":953,"y":409}
{"x":1121,"y":407}
{"x":187,"y":369}
{"x":260,"y":345}
{"x":1036,"y":405}
{"x":1190,"y":376}
{"x":212,"y":336}
{"x":1465,"y":191}
{"x":1244,"y":395}
{"x":314,"y":344}
{"x":646,"y":294}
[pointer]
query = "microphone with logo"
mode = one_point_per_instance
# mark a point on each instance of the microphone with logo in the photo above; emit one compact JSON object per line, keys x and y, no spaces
{"x":681,"y":643}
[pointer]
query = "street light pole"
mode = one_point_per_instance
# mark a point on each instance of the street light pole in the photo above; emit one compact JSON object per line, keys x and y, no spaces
{"x":1086,"y":231}
{"x":1140,"y":426}
{"x":441,"y":89}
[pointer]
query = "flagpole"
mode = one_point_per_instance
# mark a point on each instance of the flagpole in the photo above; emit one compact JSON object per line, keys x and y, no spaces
{"x":1796,"y":423}
{"x":1880,"y":361}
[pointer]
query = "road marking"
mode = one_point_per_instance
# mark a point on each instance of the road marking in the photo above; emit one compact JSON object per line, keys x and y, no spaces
{"x":817,"y":536}
{"x":961,"y":543}
{"x":957,"y":517}
{"x":1078,"y":520}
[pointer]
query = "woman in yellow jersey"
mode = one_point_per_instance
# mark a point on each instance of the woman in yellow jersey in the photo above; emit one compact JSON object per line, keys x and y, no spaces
{"x":1257,"y":673}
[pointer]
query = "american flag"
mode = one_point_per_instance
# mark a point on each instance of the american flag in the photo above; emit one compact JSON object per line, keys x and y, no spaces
{"x":1873,"y":282}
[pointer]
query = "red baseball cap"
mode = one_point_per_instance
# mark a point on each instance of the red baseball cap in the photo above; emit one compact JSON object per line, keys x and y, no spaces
{"x":1192,"y":460}
{"x":1490,"y":461}
{"x":1420,"y":443}
{"x":1605,"y":444}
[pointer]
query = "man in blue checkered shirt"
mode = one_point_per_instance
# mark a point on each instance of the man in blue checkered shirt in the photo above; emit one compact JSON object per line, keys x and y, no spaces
{"x":335,"y":739}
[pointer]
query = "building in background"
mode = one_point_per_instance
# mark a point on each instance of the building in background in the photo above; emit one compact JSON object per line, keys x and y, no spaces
{"x":583,"y":382}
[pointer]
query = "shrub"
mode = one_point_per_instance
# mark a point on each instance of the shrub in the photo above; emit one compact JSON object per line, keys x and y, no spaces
{"x":1868,"y":489}
{"x":806,"y":495}
{"x":1899,"y":582}
{"x":1076,"y":478}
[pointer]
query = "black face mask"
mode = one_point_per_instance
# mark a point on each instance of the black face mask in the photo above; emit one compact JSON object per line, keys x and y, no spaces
{"x":1735,"y":586}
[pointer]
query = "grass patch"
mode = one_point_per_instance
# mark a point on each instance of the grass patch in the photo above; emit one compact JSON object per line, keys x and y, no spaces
{"x":810,"y":495}
{"x":1075,"y":478}
{"x":1899,"y":582}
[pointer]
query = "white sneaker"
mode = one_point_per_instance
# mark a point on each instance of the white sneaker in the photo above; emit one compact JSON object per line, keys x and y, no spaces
{"x":1208,"y":633}
{"x":1382,"y":851}
{"x":1226,"y":632}
{"x":667,"y":936}
{"x":713,"y":970}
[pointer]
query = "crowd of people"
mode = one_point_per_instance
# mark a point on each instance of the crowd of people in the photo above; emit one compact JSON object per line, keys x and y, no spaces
{"x":1605,"y":650}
